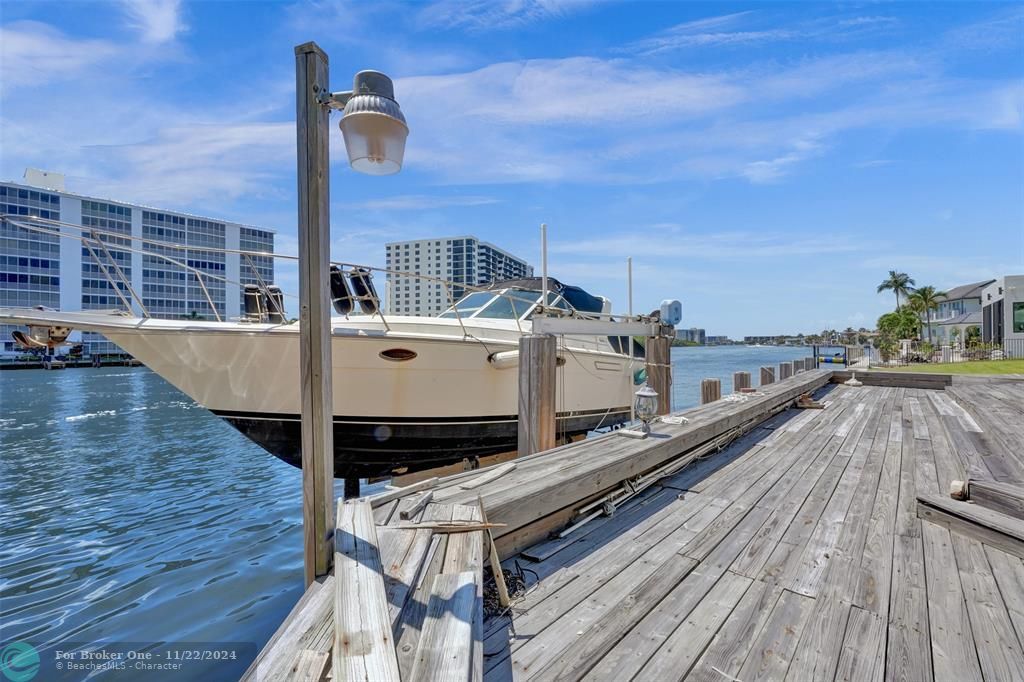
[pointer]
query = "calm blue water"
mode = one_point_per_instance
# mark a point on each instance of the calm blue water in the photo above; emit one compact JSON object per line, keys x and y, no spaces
{"x":129,"y":514}
{"x":693,"y":363}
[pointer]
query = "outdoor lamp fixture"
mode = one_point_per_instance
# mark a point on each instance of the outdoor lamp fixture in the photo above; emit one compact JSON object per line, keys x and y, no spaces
{"x":375,"y":132}
{"x":646,"y":407}
{"x":372,"y":124}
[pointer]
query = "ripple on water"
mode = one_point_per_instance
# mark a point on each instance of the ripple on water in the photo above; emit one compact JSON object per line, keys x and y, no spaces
{"x":133,"y":515}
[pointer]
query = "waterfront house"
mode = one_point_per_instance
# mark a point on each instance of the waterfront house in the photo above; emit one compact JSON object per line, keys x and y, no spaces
{"x":958,"y":310}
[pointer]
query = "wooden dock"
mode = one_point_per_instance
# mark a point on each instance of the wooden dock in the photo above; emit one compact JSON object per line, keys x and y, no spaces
{"x":788,"y":544}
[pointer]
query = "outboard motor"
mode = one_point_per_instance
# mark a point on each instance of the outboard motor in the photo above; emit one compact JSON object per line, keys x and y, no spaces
{"x":275,"y":305}
{"x":362,"y":287}
{"x":254,"y":308}
{"x":341,"y":297}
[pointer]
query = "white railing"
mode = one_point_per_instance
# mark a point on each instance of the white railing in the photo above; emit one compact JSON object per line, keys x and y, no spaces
{"x":92,"y":239}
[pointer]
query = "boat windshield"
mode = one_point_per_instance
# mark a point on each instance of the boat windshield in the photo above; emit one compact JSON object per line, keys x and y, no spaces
{"x":503,"y":304}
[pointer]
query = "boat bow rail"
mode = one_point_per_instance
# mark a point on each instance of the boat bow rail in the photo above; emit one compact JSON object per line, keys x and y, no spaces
{"x":351,"y":289}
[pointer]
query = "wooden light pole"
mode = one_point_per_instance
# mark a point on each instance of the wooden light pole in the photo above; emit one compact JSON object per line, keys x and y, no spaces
{"x":312,"y":121}
{"x":375,"y":132}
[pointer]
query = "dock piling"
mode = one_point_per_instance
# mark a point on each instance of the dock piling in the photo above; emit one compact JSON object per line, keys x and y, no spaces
{"x":767,"y":375}
{"x":785,"y":370}
{"x":537,"y":370}
{"x":810,"y":363}
{"x":710,"y":390}
{"x":740,"y":380}
{"x":659,"y":371}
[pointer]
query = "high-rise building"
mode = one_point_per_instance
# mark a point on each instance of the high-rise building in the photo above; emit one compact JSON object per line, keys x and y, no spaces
{"x":693,"y":335}
{"x":460,"y":260}
{"x":63,"y":273}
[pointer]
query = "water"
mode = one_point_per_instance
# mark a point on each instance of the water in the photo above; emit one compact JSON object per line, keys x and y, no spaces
{"x":690,"y":364}
{"x":132,"y":515}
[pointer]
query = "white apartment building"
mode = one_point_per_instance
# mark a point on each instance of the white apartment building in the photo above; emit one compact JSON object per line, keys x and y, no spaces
{"x":61,"y":273}
{"x":461,"y":260}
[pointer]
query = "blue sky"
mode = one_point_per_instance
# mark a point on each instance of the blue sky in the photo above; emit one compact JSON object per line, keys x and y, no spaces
{"x":764,"y":163}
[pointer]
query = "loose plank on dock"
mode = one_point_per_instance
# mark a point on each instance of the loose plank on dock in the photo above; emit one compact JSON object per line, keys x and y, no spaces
{"x":445,"y":651}
{"x":991,"y":527}
{"x":364,"y":647}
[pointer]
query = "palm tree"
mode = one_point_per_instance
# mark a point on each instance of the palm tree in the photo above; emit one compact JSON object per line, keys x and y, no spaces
{"x":900,"y":283}
{"x":925,"y":300}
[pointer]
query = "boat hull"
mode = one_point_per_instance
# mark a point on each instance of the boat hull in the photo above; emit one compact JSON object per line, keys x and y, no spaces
{"x":448,"y":403}
{"x":368,"y":448}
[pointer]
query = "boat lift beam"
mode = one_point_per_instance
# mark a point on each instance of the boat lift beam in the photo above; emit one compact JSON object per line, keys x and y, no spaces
{"x":575,"y":326}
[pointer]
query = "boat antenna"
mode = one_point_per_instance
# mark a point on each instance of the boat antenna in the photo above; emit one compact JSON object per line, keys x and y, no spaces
{"x":544,"y":264}
{"x":629,"y":300}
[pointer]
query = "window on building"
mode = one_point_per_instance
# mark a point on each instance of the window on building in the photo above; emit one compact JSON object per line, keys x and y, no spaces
{"x":1018,"y":317}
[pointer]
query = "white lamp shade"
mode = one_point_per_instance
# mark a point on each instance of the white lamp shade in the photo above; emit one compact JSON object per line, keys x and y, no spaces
{"x":375,"y":133}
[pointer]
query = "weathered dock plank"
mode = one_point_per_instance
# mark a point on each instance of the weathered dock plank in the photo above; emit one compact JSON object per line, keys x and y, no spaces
{"x":725,"y":655}
{"x":999,"y":649}
{"x":1006,"y":498}
{"x":681,"y":649}
{"x":817,"y":654}
{"x":773,"y":650}
{"x":862,"y":658}
{"x":445,"y":649}
{"x":590,"y":645}
{"x":907,"y":653}
{"x":991,"y":527}
{"x":364,"y":647}
{"x":954,"y":653}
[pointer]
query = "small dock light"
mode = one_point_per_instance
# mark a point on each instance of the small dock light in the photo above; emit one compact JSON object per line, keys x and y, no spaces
{"x":646,"y":406}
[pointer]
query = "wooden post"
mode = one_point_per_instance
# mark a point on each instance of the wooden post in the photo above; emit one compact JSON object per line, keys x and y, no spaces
{"x":537,"y":365}
{"x":312,"y":128}
{"x":740,"y":380}
{"x":767,"y":375}
{"x":809,"y":363}
{"x":659,"y":371}
{"x":785,"y":370}
{"x":710,"y":390}
{"x":798,"y":366}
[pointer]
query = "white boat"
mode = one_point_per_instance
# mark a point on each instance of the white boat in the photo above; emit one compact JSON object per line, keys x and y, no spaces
{"x":409,"y":392}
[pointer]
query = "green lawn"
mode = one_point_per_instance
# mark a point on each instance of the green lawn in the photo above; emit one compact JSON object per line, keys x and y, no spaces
{"x":974,"y":367}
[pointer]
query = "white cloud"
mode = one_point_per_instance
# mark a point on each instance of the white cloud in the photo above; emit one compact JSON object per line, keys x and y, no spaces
{"x":743,"y":29}
{"x":619,"y":120}
{"x":774,"y":169}
{"x":1002,"y":30}
{"x":567,"y":91}
{"x":140,"y":142}
{"x":157,"y":21}
{"x":419,"y":202}
{"x":198,"y":162}
{"x":36,"y":54}
{"x":713,"y":246}
{"x":479,"y":15}
{"x":945,"y":272}
{"x":874,"y":163}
